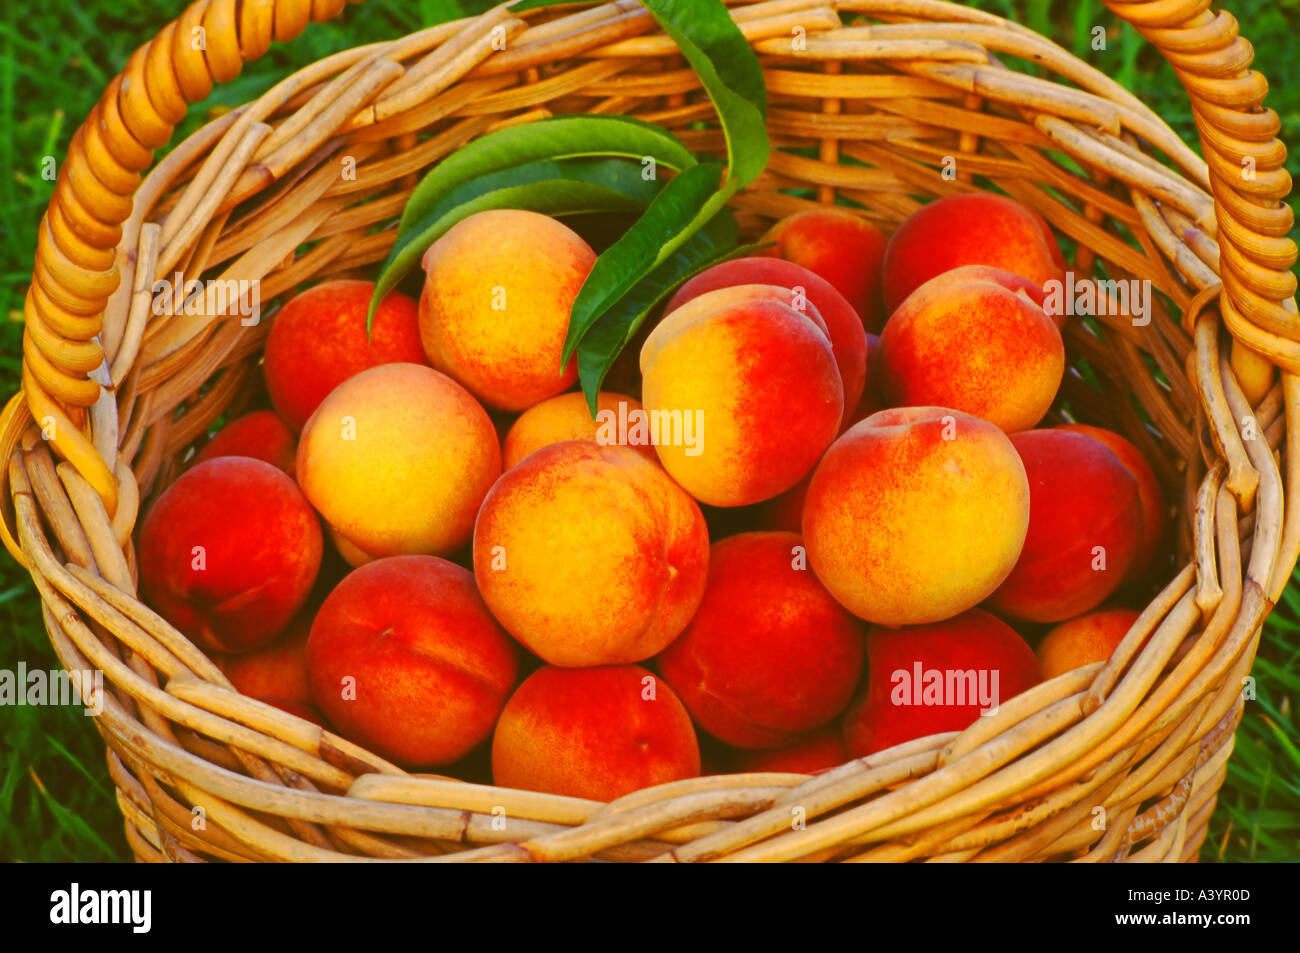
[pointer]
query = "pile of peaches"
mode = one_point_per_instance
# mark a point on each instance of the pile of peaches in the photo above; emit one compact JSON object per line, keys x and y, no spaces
{"x":780,"y":543}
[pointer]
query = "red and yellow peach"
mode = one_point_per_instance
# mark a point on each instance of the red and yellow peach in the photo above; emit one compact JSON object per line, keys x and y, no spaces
{"x":843,"y":326}
{"x":229,"y":553}
{"x":397,"y":460}
{"x":916,"y":514}
{"x":1084,"y":640}
{"x":567,"y":417}
{"x":1154,"y":513}
{"x":405,"y":658}
{"x":1085,"y":525}
{"x":976,"y":228}
{"x":590,"y":554}
{"x":319,"y":340}
{"x":966,"y":342}
{"x":843,"y":248}
{"x":769,"y":654}
{"x":498,"y":289}
{"x":929,"y":679}
{"x":758,"y":378}
{"x":261,"y":435}
{"x":596,"y":733}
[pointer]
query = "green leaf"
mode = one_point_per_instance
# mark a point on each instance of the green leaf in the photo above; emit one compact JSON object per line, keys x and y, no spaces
{"x":671,"y":219}
{"x":715,"y":48}
{"x":549,"y":186}
{"x":731,"y":75}
{"x":560,"y":137}
{"x":602,"y":345}
{"x":721,"y":56}
{"x":729,"y":70}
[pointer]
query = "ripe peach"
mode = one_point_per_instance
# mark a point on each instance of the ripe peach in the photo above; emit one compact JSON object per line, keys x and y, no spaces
{"x":916,"y":514}
{"x":590,"y":554}
{"x":813,"y":753}
{"x":319,"y":340}
{"x":496,"y":301}
{"x":404,"y":658}
{"x":229,"y":553}
{"x":927,"y":679}
{"x":1084,"y":527}
{"x":769,"y":654}
{"x":1012,"y":282}
{"x":969,"y":229}
{"x":966,"y":342}
{"x":276,"y":672}
{"x":566,"y":417}
{"x":397,"y":460}
{"x":260,"y":435}
{"x":845,"y":249}
{"x":596,"y":733}
{"x":757,"y":380}
{"x":1082,"y":641}
{"x":843,"y":326}
{"x":1154,"y":513}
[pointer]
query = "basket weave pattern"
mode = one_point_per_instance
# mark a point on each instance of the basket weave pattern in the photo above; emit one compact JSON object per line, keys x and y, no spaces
{"x":114,"y":397}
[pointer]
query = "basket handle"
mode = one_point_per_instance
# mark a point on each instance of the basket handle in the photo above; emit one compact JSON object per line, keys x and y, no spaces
{"x":75,"y":271}
{"x":1248,"y":178}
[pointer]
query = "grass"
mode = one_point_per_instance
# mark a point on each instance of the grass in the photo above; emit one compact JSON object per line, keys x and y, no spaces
{"x":56,"y":56}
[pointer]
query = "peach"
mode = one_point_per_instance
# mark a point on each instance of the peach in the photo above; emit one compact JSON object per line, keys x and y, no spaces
{"x":495,"y":308}
{"x":1154,"y":513}
{"x":405,"y":658}
{"x":975,"y":228}
{"x":596,"y":733}
{"x":1085,"y":524}
{"x":845,"y":249}
{"x":966,"y":342}
{"x":566,"y":417}
{"x":843,"y":326}
{"x":319,"y":340}
{"x":813,"y":753}
{"x":590,"y":554}
{"x":769,"y":654}
{"x":260,"y":435}
{"x":229,"y":553}
{"x":929,"y":679}
{"x":276,"y":672}
{"x":397,"y":460}
{"x":1082,"y":641}
{"x":1012,"y":282}
{"x":916,"y":514}
{"x":756,"y":379}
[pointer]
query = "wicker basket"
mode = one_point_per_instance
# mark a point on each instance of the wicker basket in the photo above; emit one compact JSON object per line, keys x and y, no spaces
{"x":113,"y":399}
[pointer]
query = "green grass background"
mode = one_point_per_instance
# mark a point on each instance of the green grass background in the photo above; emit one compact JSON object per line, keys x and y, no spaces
{"x":56,"y":56}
